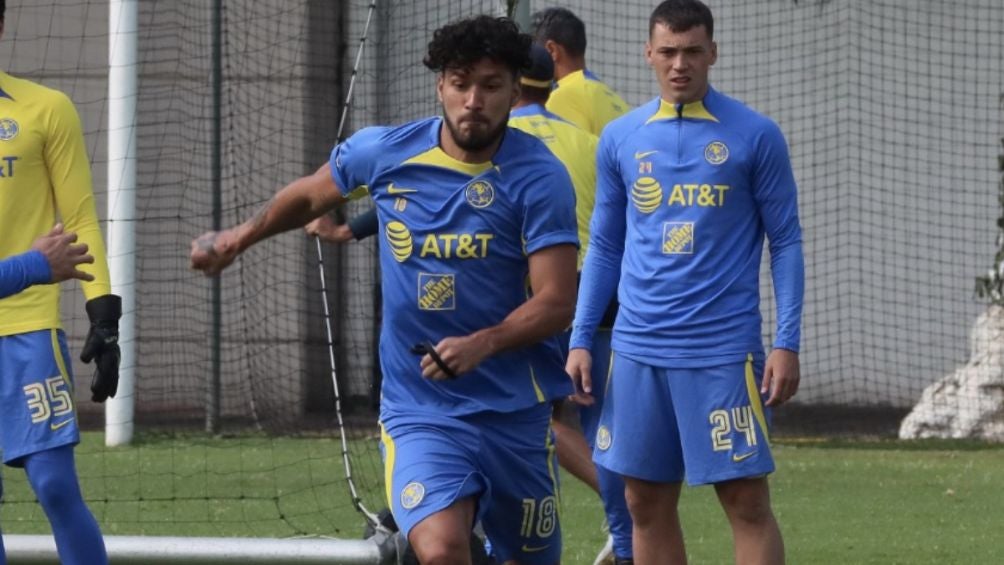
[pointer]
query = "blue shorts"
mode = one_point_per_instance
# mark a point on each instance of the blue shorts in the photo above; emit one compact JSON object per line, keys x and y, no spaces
{"x":36,"y":394}
{"x":707,"y":424}
{"x":589,"y":416}
{"x":505,"y":460}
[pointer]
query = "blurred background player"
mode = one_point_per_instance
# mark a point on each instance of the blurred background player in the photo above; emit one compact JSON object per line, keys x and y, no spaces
{"x":576,"y":149}
{"x":688,"y":186}
{"x":579,"y":95}
{"x":53,"y":258}
{"x":46,"y":176}
{"x":471,"y":210}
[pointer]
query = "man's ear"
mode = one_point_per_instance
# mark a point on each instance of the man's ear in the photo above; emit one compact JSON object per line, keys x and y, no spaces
{"x":555,"y":50}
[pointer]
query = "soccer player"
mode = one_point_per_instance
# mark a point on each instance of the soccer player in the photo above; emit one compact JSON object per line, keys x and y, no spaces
{"x":576,"y":149}
{"x":579,"y":95}
{"x":52,"y":258}
{"x":581,"y":98}
{"x":471,"y":211}
{"x":45,"y":174}
{"x":688,"y":185}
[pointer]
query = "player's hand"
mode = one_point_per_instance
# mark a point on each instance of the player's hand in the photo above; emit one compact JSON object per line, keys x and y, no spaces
{"x":780,"y":376}
{"x":213,"y":251}
{"x":63,"y":255}
{"x":102,"y":345}
{"x":460,"y":354}
{"x":326,"y":229}
{"x":579,"y":367}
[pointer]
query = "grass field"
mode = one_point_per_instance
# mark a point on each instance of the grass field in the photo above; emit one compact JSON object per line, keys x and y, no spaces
{"x":841,"y":503}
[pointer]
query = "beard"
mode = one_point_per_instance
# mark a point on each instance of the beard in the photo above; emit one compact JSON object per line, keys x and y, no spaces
{"x":475,"y":140}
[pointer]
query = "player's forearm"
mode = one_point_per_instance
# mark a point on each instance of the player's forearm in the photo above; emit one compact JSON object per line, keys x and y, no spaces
{"x":292,"y":207}
{"x":787,"y":266}
{"x":75,"y":202}
{"x":600,"y":276}
{"x":539,"y":318}
{"x":21,"y":271}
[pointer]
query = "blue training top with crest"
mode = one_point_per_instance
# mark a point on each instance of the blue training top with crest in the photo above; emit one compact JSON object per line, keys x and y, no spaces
{"x":685,"y":195}
{"x":454,"y":258}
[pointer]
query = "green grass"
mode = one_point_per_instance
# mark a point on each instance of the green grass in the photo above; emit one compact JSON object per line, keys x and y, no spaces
{"x":838,"y":502}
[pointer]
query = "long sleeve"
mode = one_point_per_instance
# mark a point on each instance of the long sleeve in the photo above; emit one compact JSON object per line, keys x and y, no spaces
{"x":21,"y":271}
{"x":777,"y":200}
{"x":70,"y":174}
{"x":602,"y":267}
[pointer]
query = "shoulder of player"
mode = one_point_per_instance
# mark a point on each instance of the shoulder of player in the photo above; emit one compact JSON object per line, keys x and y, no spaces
{"x":526,"y":151}
{"x":522,"y":149}
{"x":621,"y":128}
{"x":393,"y":144}
{"x":24,"y":90}
{"x":36,"y":98}
{"x":737,"y":116}
{"x":579,"y":141}
{"x":391,"y":137}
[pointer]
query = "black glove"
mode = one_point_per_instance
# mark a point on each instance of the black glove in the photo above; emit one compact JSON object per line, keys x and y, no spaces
{"x":102,"y":345}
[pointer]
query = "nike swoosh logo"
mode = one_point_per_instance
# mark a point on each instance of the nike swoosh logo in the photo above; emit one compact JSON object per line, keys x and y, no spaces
{"x":396,"y":190}
{"x":736,"y":457}
{"x":530,"y":549}
{"x":55,"y":427}
{"x":643,"y":154}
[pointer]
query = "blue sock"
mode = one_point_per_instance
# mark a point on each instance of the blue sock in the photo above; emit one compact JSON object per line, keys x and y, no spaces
{"x":53,"y":477}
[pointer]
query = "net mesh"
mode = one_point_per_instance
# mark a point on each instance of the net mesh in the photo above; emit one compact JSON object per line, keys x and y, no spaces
{"x":891,"y":110}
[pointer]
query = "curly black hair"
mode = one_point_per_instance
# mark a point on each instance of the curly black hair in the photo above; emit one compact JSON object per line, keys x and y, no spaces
{"x":461,"y":44}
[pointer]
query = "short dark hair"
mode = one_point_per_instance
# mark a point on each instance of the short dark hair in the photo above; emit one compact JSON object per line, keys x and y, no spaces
{"x":461,"y":44}
{"x":3,"y":8}
{"x":561,"y":26}
{"x":682,"y":15}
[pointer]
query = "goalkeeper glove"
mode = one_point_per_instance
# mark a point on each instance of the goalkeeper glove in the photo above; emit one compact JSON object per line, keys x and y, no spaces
{"x":102,"y":345}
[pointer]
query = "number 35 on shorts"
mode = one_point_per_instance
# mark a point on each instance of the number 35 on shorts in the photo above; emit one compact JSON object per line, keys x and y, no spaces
{"x":50,"y":398}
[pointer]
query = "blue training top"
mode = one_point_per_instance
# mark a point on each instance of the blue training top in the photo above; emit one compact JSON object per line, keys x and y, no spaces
{"x":454,"y":251}
{"x":685,"y":196}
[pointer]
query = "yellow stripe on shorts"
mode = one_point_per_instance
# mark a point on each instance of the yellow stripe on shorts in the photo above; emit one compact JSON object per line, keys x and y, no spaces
{"x":754,"y":395}
{"x":388,"y":469}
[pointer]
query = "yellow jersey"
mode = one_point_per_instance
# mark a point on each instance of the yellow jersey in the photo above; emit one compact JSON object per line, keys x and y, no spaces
{"x":584,"y":100}
{"x":45,"y":177}
{"x":575,"y":148}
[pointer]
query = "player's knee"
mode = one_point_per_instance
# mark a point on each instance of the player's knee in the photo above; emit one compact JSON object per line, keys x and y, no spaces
{"x":646,"y":506}
{"x":54,"y":491}
{"x":746,"y":501}
{"x":442,"y":551}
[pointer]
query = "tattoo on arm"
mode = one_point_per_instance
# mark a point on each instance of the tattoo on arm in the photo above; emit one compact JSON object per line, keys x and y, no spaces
{"x":258,"y":220}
